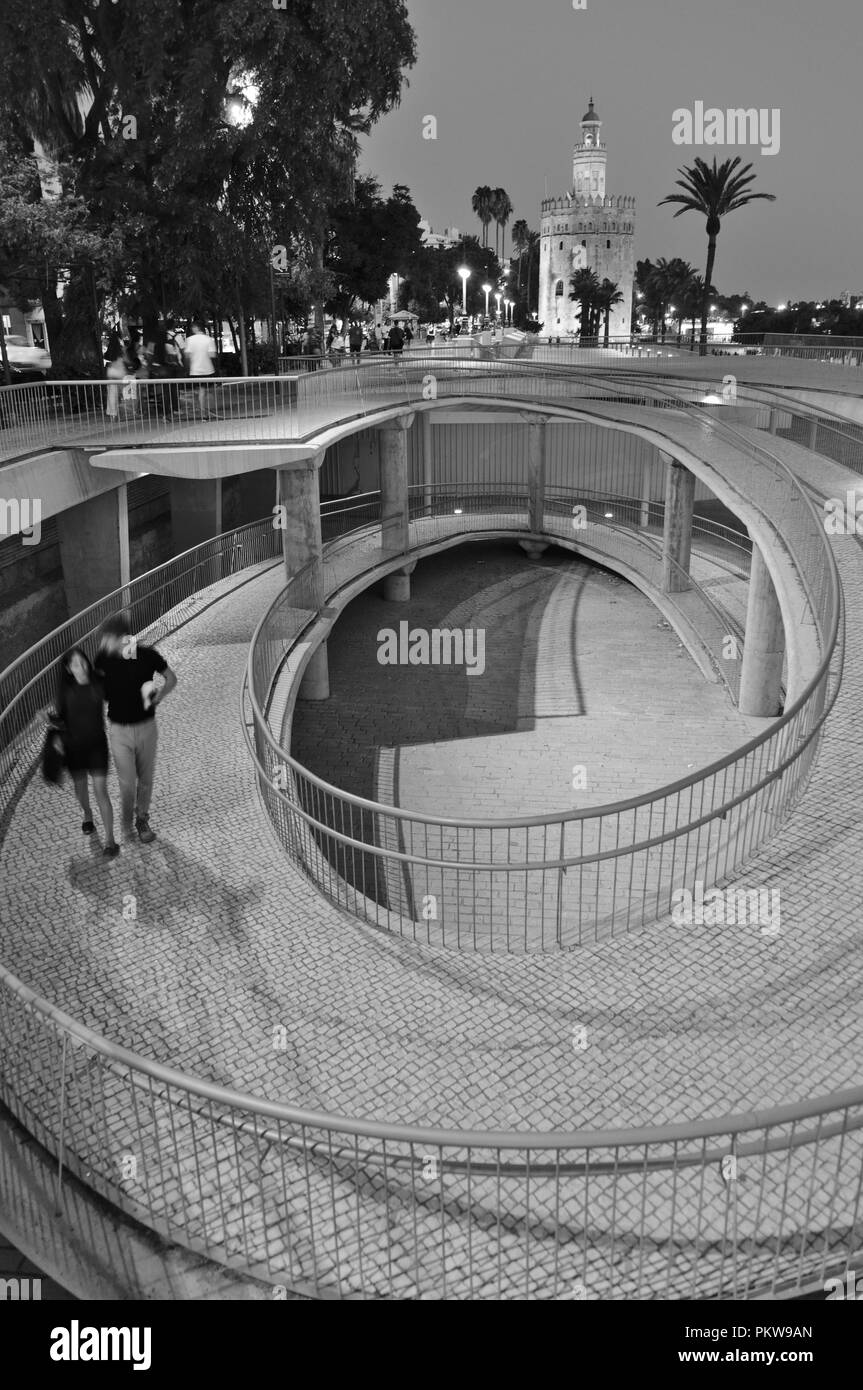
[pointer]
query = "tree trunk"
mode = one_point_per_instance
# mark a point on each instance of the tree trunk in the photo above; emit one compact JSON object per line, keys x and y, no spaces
{"x":7,"y":371}
{"x":705,"y":303}
{"x":607,"y":325}
{"x":217,"y":334}
{"x":319,"y":300}
{"x":241,"y":323}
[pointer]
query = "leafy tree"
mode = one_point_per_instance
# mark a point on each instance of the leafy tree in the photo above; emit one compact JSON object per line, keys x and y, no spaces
{"x":207,"y":133}
{"x":40,"y":236}
{"x":714,"y":192}
{"x":370,"y":240}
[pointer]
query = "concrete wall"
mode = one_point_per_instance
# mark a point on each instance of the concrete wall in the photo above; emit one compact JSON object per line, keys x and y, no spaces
{"x":579,"y":454}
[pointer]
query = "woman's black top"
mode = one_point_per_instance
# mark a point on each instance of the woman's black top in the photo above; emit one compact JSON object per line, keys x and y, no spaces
{"x":80,"y":708}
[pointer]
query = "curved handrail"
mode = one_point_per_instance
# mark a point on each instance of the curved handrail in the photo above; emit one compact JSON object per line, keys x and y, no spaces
{"x":670,"y":789}
{"x":659,"y":1145}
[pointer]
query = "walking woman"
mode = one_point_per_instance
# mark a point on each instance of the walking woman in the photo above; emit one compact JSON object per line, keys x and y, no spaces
{"x":115,"y":371}
{"x":80,"y":723}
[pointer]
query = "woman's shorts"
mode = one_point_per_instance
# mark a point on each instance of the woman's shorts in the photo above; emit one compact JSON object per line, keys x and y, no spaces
{"x":92,"y":759}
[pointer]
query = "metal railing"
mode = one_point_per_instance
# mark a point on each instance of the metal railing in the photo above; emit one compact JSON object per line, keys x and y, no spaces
{"x":28,"y":686}
{"x":542,"y":882}
{"x":40,"y":416}
{"x":340,"y":1208}
{"x":731,"y":1207}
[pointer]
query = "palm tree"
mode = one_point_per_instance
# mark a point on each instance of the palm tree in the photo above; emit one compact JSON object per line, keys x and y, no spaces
{"x":667,"y":281}
{"x":691,"y":300}
{"x":533,"y":245}
{"x":482,"y":204}
{"x":502,"y":212}
{"x":585,"y":289}
{"x":608,"y":297}
{"x":714,"y":193}
{"x":520,"y":235}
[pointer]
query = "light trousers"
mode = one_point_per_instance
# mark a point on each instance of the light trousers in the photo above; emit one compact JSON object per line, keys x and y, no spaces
{"x":133,"y":747}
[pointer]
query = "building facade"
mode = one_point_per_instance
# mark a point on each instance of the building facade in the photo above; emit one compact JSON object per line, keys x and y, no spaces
{"x":586,"y":228}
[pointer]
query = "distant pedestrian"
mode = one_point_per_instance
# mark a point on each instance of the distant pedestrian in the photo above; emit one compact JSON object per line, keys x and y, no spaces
{"x":115,"y":371}
{"x":126,"y":670}
{"x":79,"y":723}
{"x":311,"y":349}
{"x":355,"y":341}
{"x":396,"y":340}
{"x":430,"y":335}
{"x":200,"y":351}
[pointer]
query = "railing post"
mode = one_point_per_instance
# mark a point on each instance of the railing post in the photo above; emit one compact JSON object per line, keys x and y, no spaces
{"x":58,"y":1190}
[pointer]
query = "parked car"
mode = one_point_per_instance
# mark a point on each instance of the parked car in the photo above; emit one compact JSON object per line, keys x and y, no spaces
{"x":24,"y":358}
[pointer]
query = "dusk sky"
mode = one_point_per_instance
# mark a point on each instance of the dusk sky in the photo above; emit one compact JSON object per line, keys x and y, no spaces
{"x":508,"y":81}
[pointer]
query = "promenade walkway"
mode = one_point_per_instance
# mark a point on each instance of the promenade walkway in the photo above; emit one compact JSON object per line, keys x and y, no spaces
{"x":193,"y":950}
{"x":229,"y":941}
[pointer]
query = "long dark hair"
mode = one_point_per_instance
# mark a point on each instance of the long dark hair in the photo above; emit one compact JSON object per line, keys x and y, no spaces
{"x":66,"y":680}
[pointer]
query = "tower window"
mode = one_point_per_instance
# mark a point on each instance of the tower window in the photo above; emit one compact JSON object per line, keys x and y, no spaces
{"x":608,"y":246}
{"x":584,"y":243}
{"x":561,"y":246}
{"x":558,"y":289}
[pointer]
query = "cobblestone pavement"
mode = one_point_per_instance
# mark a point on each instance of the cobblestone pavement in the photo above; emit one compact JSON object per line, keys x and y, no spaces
{"x":194,"y":949}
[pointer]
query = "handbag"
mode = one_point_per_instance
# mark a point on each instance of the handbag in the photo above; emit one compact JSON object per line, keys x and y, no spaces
{"x":53,"y":757}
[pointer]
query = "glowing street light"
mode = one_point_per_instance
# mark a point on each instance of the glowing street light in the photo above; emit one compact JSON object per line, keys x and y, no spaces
{"x":465,"y":276}
{"x":486,"y":289}
{"x":498,"y":297}
{"x":781,"y":308}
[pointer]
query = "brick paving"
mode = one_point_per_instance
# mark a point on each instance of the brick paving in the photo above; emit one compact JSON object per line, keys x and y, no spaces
{"x":229,"y":941}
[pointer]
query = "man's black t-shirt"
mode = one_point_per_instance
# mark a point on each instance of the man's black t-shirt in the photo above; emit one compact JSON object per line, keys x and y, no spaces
{"x":123,"y":677}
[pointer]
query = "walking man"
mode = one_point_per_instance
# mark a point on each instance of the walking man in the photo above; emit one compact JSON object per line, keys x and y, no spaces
{"x":200,"y":351}
{"x":126,"y":670}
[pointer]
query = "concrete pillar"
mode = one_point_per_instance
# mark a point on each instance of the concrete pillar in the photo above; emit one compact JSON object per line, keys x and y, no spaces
{"x":646,"y":491}
{"x":677,"y":538}
{"x":397,"y":587}
{"x":537,"y":456}
{"x":774,"y":421}
{"x":428,"y":460}
{"x":315,"y":684}
{"x":302,"y":543}
{"x":764,"y":645}
{"x":94,"y":548}
{"x":813,"y":434}
{"x":395,"y":516}
{"x":196,"y":511}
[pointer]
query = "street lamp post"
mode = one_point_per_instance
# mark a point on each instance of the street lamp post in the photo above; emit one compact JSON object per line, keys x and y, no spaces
{"x":465,"y":276}
{"x":498,"y":298}
{"x":486,"y":289}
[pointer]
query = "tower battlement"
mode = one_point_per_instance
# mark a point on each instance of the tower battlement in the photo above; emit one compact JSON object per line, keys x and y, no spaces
{"x":622,"y":202}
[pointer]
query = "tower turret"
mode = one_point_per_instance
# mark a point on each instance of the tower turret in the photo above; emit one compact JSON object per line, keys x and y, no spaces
{"x":589,"y":158}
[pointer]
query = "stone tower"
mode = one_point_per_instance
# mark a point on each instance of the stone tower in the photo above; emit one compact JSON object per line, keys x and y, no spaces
{"x":586,"y":229}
